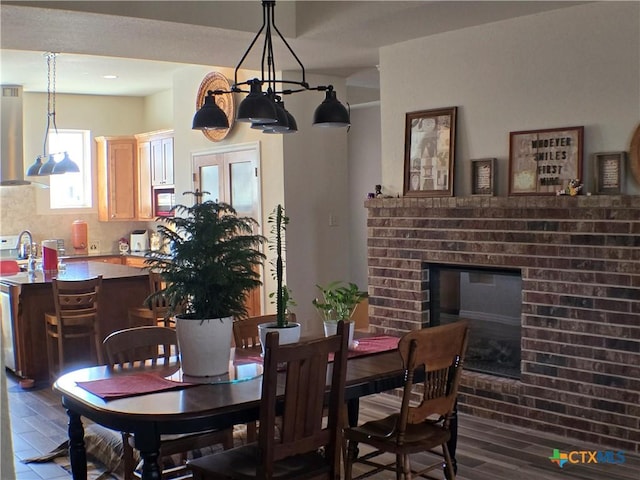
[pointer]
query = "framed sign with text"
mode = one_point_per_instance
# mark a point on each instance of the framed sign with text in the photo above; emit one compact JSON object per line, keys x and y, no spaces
{"x":482,"y":176}
{"x":609,"y":172}
{"x":541,"y":162}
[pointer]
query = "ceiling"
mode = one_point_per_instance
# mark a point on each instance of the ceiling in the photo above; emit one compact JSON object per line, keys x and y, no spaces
{"x":144,"y":42}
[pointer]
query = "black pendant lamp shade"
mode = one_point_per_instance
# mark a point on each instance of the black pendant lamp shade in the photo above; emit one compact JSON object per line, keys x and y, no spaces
{"x":66,"y":165}
{"x":34,"y":170}
{"x":331,"y":113}
{"x":257,"y":107}
{"x":210,"y":116}
{"x":47,"y":168}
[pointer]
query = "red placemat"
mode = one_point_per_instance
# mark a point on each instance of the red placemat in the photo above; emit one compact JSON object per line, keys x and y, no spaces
{"x":130,"y":385}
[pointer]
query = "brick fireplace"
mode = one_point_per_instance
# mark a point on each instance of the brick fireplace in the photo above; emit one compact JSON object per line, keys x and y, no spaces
{"x":579,"y":259}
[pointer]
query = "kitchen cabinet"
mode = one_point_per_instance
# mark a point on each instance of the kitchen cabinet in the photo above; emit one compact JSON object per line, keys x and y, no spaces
{"x":134,"y":261}
{"x":113,"y":259}
{"x":145,"y":194}
{"x":162,"y":161}
{"x":117,"y":178}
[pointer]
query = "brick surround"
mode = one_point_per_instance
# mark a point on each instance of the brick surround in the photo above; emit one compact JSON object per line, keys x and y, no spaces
{"x":580,"y":264}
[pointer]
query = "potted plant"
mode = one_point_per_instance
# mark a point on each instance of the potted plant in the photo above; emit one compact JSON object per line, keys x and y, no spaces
{"x":289,"y":331}
{"x":338,"y":302}
{"x":210,"y":266}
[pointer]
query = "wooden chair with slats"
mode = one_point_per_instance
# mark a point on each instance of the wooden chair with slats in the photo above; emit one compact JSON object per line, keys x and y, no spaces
{"x":157,"y":313}
{"x":422,"y":424}
{"x":306,"y":447}
{"x":76,"y":317}
{"x":151,"y":345}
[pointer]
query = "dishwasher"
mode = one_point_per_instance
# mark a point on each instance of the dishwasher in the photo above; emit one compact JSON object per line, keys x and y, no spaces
{"x":8,"y":297}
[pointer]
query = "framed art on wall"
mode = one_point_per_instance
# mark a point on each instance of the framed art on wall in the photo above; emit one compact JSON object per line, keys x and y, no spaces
{"x":483,"y":176}
{"x":429,"y":152}
{"x":541,"y":162}
{"x":609,"y":172}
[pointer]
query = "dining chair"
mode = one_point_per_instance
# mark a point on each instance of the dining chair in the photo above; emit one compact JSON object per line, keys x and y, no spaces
{"x":157,"y":312}
{"x":294,"y":386}
{"x":245,"y":335}
{"x":76,"y":305}
{"x":422,"y":424}
{"x":152,"y":345}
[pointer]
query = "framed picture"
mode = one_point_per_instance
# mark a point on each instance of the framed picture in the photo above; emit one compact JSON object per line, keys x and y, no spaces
{"x":429,"y":152}
{"x":609,"y":172}
{"x":483,"y":176}
{"x":541,"y":162}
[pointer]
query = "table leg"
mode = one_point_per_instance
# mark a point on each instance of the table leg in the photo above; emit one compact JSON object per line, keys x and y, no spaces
{"x":77,"y":451}
{"x":149,"y":446}
{"x":452,"y":444}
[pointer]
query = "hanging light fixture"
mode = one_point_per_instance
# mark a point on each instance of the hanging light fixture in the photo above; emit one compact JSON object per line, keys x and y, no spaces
{"x":51,"y":167}
{"x":263,"y":106}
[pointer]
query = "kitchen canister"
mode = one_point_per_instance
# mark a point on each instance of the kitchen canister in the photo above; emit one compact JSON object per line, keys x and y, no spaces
{"x":49,"y":256}
{"x":79,"y":236}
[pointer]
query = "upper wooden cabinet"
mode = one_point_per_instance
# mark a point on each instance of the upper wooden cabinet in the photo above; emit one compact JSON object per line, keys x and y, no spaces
{"x":145,"y":195}
{"x":158,"y":148}
{"x":117,"y":178}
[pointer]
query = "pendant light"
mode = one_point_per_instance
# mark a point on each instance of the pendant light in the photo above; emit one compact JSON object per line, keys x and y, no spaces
{"x":262,"y":107}
{"x":66,"y":165}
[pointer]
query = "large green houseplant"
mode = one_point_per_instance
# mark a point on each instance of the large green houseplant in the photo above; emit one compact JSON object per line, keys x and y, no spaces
{"x":211,"y":263}
{"x":289,"y":331}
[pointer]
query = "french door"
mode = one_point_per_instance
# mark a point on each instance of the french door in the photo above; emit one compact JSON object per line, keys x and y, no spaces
{"x":232,"y":176}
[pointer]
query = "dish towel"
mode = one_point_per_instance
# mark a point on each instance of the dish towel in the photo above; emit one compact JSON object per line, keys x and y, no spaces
{"x":130,"y":385}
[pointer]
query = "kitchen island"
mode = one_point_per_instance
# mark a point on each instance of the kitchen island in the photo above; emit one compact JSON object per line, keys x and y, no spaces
{"x":27,"y":296}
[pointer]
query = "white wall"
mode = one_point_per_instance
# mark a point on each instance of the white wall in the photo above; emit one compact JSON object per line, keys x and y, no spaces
{"x":364,"y":174}
{"x":575,"y":66}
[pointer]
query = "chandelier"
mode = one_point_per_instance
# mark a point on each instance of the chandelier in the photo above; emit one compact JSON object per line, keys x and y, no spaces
{"x":51,"y":167}
{"x":263,"y":107}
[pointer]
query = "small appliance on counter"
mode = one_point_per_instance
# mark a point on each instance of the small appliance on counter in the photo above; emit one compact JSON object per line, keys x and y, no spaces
{"x":79,"y":237}
{"x":139,"y":241}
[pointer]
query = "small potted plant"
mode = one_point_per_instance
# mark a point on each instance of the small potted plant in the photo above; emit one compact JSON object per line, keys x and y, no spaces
{"x":211,"y":265}
{"x":289,"y":331}
{"x":338,"y":301}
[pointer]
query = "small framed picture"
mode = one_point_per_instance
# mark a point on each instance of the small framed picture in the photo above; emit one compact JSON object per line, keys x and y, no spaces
{"x":483,"y":176}
{"x":429,"y":152}
{"x":609,"y":170}
{"x":541,"y":162}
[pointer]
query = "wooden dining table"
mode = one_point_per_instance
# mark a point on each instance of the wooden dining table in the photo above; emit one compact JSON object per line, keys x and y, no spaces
{"x":217,"y":404}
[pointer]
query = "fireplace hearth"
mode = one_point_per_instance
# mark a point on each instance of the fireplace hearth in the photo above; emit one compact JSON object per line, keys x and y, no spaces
{"x":578,"y":260}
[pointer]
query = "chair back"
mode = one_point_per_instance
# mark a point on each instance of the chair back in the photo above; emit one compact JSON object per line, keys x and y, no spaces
{"x":245,"y":330}
{"x":134,"y":346}
{"x":76,"y":301}
{"x":307,"y":367}
{"x":440,"y":351}
{"x":158,"y":303}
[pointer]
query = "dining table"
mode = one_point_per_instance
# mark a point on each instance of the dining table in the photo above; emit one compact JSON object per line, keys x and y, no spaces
{"x":175,"y":404}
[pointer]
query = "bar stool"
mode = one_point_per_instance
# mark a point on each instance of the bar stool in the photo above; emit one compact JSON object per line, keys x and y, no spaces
{"x":157,"y":313}
{"x":76,"y":316}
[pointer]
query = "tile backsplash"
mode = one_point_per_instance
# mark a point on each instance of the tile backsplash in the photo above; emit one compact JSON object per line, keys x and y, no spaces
{"x":18,"y":212}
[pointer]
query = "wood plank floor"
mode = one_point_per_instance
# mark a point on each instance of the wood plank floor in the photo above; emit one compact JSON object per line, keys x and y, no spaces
{"x":486,"y":450}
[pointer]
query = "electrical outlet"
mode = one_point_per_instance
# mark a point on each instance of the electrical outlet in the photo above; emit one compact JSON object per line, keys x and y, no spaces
{"x":94,"y":246}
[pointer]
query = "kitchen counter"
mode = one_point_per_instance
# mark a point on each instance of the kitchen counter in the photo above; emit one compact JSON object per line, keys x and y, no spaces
{"x":29,"y":296}
{"x":77,"y":270}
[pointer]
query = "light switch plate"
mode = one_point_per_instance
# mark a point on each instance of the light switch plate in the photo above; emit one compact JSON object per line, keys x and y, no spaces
{"x":94,"y":246}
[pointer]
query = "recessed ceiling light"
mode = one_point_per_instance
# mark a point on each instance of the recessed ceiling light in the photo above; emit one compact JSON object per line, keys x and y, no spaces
{"x":110,"y":77}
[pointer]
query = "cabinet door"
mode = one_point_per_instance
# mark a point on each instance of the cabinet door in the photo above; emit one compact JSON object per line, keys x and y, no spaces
{"x":117,"y":178}
{"x":145,"y":198}
{"x":162,"y":161}
{"x":167,"y":156}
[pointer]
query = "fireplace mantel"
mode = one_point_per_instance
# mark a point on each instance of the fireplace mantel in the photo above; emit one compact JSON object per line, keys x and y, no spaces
{"x":580,"y":263}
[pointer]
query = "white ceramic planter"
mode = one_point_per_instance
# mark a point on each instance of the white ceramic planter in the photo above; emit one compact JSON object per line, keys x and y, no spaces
{"x":288,"y":334}
{"x":205,"y":345}
{"x":331,"y":328}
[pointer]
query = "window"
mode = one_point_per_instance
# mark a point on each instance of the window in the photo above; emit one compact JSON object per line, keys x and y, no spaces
{"x":71,"y":190}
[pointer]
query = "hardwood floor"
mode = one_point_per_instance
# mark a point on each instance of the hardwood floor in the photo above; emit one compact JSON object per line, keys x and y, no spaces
{"x":486,"y":450}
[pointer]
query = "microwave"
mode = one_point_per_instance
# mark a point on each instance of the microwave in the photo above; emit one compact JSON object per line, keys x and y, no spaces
{"x":164,"y":199}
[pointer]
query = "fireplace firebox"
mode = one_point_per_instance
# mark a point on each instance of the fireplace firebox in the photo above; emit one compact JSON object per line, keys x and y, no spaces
{"x":491,"y":300}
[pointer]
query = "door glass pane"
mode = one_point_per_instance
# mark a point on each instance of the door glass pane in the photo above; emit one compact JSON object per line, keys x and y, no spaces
{"x":210,"y":182}
{"x":241,"y":180}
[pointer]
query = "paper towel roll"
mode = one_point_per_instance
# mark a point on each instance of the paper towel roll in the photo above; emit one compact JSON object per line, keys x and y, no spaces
{"x":49,"y":256}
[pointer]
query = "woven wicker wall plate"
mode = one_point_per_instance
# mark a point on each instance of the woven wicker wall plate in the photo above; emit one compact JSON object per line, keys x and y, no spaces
{"x":217,"y":81}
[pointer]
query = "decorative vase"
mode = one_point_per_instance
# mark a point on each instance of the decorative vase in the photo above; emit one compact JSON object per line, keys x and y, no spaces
{"x":205,"y":345}
{"x":331,"y":328}
{"x":288,"y":334}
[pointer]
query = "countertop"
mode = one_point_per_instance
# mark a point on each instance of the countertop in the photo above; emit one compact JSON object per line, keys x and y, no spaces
{"x":75,"y":271}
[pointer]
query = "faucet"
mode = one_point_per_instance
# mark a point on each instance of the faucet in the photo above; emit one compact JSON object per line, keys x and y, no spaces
{"x":24,"y":249}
